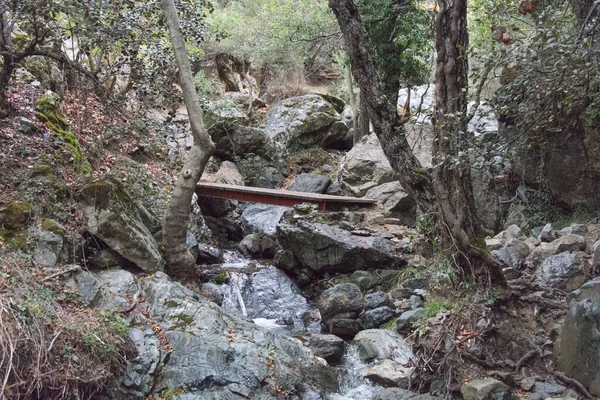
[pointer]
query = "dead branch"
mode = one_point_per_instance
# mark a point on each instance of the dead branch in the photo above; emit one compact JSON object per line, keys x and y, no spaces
{"x":135,"y":303}
{"x":529,"y":355}
{"x":72,"y":268}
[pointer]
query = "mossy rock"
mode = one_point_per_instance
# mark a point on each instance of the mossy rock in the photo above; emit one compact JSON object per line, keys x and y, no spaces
{"x":99,"y":193}
{"x":13,"y":239}
{"x":48,"y":111}
{"x":14,"y":216}
{"x":51,"y":225}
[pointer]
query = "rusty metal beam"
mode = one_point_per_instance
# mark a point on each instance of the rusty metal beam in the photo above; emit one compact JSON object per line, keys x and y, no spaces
{"x":285,"y":198}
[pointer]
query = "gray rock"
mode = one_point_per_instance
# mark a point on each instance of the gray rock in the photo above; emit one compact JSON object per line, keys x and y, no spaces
{"x":322,"y":248}
{"x":547,"y":234}
{"x":364,"y":167}
{"x":483,"y":389}
{"x":345,"y":328}
{"x":415,"y":302}
{"x":48,"y":245}
{"x":105,"y":258}
{"x":215,"y":207}
{"x":217,"y":356}
{"x":213,"y":292}
{"x":578,"y":353}
{"x":565,"y":271}
{"x":377,"y":316}
{"x":494,"y":243}
{"x":251,"y":245}
{"x":400,"y":394}
{"x":511,"y":273}
{"x":138,"y":379}
{"x":365,"y":279}
{"x":86,"y":285}
{"x":596,"y":253}
{"x":394,"y":200}
{"x":25,"y":125}
{"x":589,"y":290}
{"x":401,"y":293}
{"x":303,"y":120}
{"x":416,"y":283}
{"x":263,"y":218}
{"x":329,"y":347}
{"x":390,"y":373}
{"x":575,"y":229}
{"x":233,"y":140}
{"x":569,"y":242}
{"x":382,"y":344}
{"x":311,"y":183}
{"x":547,"y":390}
{"x":286,"y":260}
{"x":512,"y":232}
{"x":406,"y":319}
{"x":343,"y":300}
{"x":268,"y":177}
{"x":376,"y":299}
{"x":209,"y":255}
{"x":513,"y":254}
{"x":113,"y":216}
{"x":334,"y":189}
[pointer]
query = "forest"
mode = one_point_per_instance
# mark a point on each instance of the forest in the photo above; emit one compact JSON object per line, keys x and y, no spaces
{"x":471,"y":126}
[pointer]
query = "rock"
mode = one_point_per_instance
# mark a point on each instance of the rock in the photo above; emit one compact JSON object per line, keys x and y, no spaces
{"x":394,"y":200}
{"x":596,"y":253}
{"x":234,"y":141}
{"x":323,"y":248}
{"x":25,"y":125}
{"x":513,"y":254}
{"x":213,"y":292}
{"x":401,"y":293}
{"x":263,"y":218}
{"x":574,"y":229}
{"x":416,"y":283}
{"x":364,"y":167}
{"x":483,"y":389}
{"x":311,"y":183}
{"x":113,"y":216}
{"x":225,"y":230}
{"x":303,"y":120}
{"x":209,"y":255}
{"x":512,"y":232}
{"x":566,"y":271}
{"x":334,"y":189}
{"x":569,"y":242}
{"x":217,"y":356}
{"x":511,"y":273}
{"x":376,"y":299}
{"x":338,"y":104}
{"x":578,"y":350}
{"x":527,"y":384}
{"x":215,"y":207}
{"x":382,"y":344}
{"x":138,"y":378}
{"x":401,"y":394}
{"x":86,"y":285}
{"x":547,"y":234}
{"x":105,"y":258}
{"x":494,"y":243}
{"x":377,"y":316}
{"x":49,"y":243}
{"x":329,"y":347}
{"x":406,"y":319}
{"x":265,"y":177}
{"x":285,"y":260}
{"x":251,"y":245}
{"x":345,"y":328}
{"x":365,"y":279}
{"x":546,"y":390}
{"x":390,"y":373}
{"x":343,"y":300}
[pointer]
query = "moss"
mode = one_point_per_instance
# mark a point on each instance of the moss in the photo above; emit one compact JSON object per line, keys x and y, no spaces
{"x":14,"y":216}
{"x":48,"y":111}
{"x":171,"y":303}
{"x":13,"y":239}
{"x":100,"y":193}
{"x":220,"y":279}
{"x":479,"y":241}
{"x":53,"y":226}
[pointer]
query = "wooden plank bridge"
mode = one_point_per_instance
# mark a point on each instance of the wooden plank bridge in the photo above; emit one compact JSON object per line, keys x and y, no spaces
{"x":277,"y":197}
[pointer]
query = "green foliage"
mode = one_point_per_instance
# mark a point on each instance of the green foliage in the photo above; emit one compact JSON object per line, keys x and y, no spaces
{"x":251,"y":167}
{"x":207,"y":87}
{"x":434,"y":306}
{"x":400,"y":37}
{"x":309,"y":159}
{"x":220,"y":279}
{"x":278,"y":33}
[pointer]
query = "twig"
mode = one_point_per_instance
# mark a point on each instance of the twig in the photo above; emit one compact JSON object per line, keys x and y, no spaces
{"x":52,"y":342}
{"x":576,"y":383}
{"x":66,"y":271}
{"x":132,"y":307}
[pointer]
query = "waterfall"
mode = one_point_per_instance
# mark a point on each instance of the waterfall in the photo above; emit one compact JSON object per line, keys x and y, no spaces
{"x":353,"y":384}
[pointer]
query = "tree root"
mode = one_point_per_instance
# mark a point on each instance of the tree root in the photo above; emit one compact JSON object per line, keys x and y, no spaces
{"x":66,"y":271}
{"x":529,"y":355}
{"x":570,"y":381}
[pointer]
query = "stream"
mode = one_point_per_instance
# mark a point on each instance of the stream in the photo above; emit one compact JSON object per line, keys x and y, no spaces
{"x":268,"y":296}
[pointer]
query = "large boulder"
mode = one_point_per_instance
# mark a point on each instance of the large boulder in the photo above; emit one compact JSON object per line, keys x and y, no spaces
{"x":311,"y":183}
{"x":123,"y":223}
{"x":306,"y":121}
{"x":364,"y":167}
{"x":513,"y":254}
{"x":566,"y":271}
{"x":263,"y":218}
{"x":213,"y":355}
{"x":383,"y":344}
{"x":578,"y":354}
{"x":394,"y":200}
{"x":324,"y":248}
{"x":48,"y":248}
{"x":233,"y":141}
{"x":340,"y":307}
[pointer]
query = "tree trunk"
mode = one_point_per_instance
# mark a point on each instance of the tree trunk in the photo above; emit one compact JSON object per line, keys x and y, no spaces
{"x":381,"y":112}
{"x":585,"y":10}
{"x":364,"y":124}
{"x":462,"y":232}
{"x":353,"y":105}
{"x":180,"y":262}
{"x":450,"y":187}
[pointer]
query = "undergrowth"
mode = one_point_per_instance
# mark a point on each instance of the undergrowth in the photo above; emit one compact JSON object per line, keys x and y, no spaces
{"x":51,"y":347}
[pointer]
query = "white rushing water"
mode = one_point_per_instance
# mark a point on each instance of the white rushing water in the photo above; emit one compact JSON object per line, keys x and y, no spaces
{"x":353,"y":384}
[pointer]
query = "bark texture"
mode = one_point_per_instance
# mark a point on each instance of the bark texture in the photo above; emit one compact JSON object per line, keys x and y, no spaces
{"x":452,"y":169}
{"x":180,"y":262}
{"x":447,"y":194}
{"x":388,"y":127}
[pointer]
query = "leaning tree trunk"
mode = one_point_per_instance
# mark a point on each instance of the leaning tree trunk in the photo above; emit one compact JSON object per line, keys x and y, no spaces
{"x":381,"y":112}
{"x":447,"y":188}
{"x":462,"y":231}
{"x":180,"y":262}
